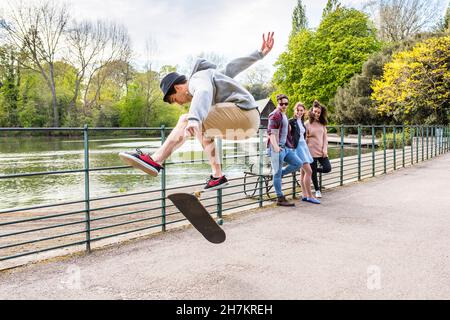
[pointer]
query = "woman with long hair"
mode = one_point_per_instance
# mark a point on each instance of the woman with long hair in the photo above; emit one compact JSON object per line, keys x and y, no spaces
{"x":316,"y":138}
{"x":301,"y":148}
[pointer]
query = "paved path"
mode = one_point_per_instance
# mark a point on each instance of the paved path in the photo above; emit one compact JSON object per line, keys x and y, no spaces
{"x":385,"y":238}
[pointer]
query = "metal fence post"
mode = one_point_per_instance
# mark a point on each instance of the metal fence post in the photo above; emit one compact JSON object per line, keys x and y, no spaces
{"x":417,"y":144}
{"x":384,"y":148}
{"x":443,"y":145}
{"x":219,"y":191}
{"x":359,"y":152}
{"x":373,"y":151}
{"x":447,"y":135}
{"x":394,"y":146}
{"x":423,"y":144}
{"x":86,"y":188}
{"x":342,"y":156}
{"x":447,"y":139}
{"x":428,"y":145}
{"x":435,"y":141}
{"x":163,"y":184}
{"x":403,"y":146}
{"x":261,"y":165}
{"x":411,"y":136}
{"x":294,"y":184}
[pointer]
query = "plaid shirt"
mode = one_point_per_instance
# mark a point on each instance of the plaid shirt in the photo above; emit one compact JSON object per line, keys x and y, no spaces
{"x":276,"y":126}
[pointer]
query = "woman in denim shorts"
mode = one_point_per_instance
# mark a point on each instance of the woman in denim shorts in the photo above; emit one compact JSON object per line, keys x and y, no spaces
{"x":299,"y":138}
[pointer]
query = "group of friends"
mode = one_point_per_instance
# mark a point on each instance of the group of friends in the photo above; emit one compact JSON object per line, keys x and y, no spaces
{"x":221,"y":107}
{"x":302,"y":146}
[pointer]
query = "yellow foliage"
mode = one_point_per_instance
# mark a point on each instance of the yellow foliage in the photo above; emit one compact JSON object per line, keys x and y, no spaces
{"x":416,"y":83}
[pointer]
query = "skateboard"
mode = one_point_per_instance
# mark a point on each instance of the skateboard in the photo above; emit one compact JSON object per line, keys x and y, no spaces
{"x":190,"y":206}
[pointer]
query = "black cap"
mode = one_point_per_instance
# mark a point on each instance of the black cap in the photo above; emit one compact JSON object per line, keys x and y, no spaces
{"x":168,"y":81}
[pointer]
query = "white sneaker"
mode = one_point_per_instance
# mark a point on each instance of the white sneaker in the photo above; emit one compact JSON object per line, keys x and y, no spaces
{"x":318,"y":194}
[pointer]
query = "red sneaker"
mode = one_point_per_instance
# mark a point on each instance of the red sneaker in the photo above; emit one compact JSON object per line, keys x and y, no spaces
{"x":216,"y":183}
{"x":142,"y":161}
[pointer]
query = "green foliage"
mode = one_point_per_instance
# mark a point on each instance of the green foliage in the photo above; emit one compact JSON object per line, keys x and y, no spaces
{"x":10,"y":76}
{"x":125,"y":98}
{"x":166,"y":69}
{"x":353,"y":103}
{"x":443,"y":24}
{"x":135,"y":111}
{"x":299,"y":20}
{"x":260,"y":90}
{"x":316,"y":63}
{"x":415,"y":87}
{"x":332,"y":6}
{"x":398,"y":139}
{"x":447,"y":20}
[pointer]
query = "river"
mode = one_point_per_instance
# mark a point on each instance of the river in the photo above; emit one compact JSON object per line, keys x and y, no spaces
{"x":21,"y":155}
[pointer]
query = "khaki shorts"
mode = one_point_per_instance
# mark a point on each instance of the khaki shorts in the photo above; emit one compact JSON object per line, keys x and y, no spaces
{"x":228,"y":121}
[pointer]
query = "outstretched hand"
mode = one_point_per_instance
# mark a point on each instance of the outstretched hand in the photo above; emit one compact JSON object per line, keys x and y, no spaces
{"x":267,"y":44}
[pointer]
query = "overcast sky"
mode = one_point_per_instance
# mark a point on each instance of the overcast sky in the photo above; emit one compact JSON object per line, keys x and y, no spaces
{"x":180,"y":28}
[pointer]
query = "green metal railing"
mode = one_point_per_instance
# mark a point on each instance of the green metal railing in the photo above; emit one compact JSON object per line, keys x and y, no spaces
{"x":90,"y":220}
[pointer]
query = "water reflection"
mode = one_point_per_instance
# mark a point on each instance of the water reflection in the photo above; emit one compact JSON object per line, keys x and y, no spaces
{"x":21,"y":155}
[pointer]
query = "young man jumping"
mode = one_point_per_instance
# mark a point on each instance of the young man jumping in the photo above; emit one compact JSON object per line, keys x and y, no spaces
{"x":220,"y":107}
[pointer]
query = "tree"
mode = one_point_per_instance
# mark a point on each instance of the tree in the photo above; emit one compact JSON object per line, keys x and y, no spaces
{"x":415,"y":87}
{"x":317,"y":63}
{"x":353,"y":101}
{"x":299,"y":20}
{"x":134,"y":111}
{"x":444,"y":24}
{"x":112,"y":44}
{"x":150,"y":79}
{"x":165,"y":70}
{"x":398,"y":20}
{"x":257,"y":81}
{"x":332,"y":6}
{"x":447,"y":19}
{"x":38,"y":30}
{"x":86,"y":43}
{"x":213,"y":57}
{"x":10,"y":83}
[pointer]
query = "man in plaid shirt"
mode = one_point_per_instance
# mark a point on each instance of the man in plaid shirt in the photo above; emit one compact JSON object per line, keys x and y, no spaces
{"x":281,"y":148}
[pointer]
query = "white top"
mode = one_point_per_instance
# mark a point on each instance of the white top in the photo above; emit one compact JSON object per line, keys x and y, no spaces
{"x":302,"y":130}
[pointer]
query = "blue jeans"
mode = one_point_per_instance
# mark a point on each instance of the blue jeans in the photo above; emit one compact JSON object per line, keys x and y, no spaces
{"x":277,"y":159}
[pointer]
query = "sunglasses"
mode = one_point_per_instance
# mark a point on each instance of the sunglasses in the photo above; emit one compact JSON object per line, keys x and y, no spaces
{"x":282,"y":104}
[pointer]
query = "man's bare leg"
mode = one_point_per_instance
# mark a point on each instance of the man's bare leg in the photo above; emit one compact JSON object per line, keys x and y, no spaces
{"x":209,"y":147}
{"x":175,"y":139}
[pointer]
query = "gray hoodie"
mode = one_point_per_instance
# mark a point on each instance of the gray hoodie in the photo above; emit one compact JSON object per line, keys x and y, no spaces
{"x":209,"y":86}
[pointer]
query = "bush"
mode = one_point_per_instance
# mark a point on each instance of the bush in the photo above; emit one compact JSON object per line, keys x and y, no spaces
{"x":398,"y":139}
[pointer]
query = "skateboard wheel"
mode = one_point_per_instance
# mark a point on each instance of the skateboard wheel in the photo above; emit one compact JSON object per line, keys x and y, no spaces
{"x":197,"y":194}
